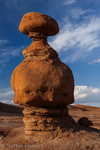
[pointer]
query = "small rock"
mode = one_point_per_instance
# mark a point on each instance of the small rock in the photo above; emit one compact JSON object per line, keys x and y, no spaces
{"x":85,"y":122}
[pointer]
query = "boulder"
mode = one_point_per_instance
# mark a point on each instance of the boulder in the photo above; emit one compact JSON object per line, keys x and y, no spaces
{"x":85,"y":122}
{"x":38,"y":22}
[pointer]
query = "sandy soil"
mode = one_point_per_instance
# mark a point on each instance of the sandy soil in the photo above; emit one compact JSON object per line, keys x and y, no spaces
{"x":76,"y":138}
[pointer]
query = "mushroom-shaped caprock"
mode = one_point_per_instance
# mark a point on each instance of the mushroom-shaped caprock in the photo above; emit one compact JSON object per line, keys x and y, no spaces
{"x":38,"y":22}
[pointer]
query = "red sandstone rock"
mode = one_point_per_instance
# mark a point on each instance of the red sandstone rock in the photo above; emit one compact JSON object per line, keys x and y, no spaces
{"x":42,"y":82}
{"x":46,"y":119}
{"x":77,"y":138}
{"x":38,"y":22}
{"x":85,"y":122}
{"x":41,"y":79}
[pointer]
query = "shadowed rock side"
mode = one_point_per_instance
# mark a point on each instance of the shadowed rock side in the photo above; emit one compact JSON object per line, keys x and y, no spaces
{"x":6,"y":109}
{"x":85,"y":122}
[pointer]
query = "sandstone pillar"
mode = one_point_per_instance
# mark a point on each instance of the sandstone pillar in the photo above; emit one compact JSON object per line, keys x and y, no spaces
{"x":42,"y":83}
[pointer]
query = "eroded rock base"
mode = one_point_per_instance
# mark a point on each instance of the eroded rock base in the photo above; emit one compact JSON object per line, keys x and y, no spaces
{"x":46,"y":119}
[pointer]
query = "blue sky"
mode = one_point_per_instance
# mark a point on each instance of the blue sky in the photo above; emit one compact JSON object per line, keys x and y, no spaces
{"x":77,"y":43}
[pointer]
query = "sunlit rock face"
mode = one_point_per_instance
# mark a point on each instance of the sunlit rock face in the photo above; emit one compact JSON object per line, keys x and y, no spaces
{"x":43,"y":83}
{"x":41,"y":80}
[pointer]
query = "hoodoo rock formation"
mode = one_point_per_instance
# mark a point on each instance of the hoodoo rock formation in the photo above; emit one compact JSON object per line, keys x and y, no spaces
{"x":42,"y":83}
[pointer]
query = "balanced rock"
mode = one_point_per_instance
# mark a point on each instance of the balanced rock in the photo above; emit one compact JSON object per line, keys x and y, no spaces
{"x":85,"y":122}
{"x":38,"y":22}
{"x":41,"y":79}
{"x":42,"y":83}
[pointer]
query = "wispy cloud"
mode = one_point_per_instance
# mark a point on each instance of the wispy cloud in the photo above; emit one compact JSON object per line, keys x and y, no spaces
{"x":6,"y":95}
{"x":87,"y":95}
{"x":80,"y":39}
{"x":6,"y":92}
{"x":68,"y":2}
{"x":9,"y":52}
{"x":95,"y":61}
{"x":2,"y":42}
{"x":7,"y":101}
{"x":78,"y":12}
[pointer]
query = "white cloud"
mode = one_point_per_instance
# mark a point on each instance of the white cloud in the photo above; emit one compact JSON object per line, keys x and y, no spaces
{"x":7,"y":92}
{"x":67,"y":2}
{"x":2,"y":42}
{"x":77,"y":12}
{"x":81,"y":96}
{"x":6,"y":95}
{"x":95,"y":61}
{"x":7,"y":101}
{"x":81,"y":39}
{"x":8,"y":53}
{"x":87,"y":95}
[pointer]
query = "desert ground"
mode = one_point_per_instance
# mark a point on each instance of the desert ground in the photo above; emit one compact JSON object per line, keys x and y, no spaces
{"x":77,"y":138}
